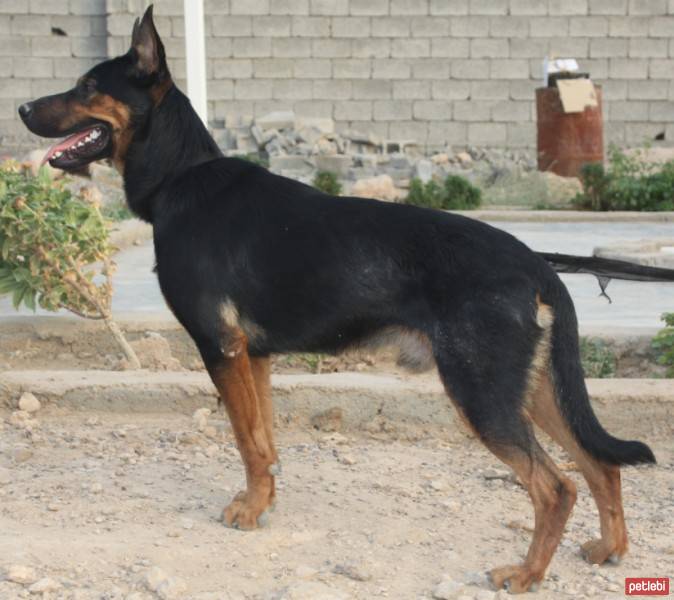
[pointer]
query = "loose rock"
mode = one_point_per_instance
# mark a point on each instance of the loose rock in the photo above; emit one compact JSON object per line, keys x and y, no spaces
{"x":21,"y":574}
{"x":29,"y":403}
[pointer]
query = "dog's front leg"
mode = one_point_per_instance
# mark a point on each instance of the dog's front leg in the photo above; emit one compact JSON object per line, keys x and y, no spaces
{"x":236,"y":382}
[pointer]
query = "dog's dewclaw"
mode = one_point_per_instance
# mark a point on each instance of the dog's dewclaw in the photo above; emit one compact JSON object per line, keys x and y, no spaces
{"x":274,"y":469}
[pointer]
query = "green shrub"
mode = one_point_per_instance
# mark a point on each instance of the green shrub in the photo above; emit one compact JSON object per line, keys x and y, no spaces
{"x":328,"y":183}
{"x":598,"y":360}
{"x":629,"y":183}
{"x":663,"y":343}
{"x":256,"y":158}
{"x":49,"y":239}
{"x":456,"y":193}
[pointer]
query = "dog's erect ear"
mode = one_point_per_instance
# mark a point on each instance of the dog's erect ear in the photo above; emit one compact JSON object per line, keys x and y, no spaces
{"x":148,"y":46}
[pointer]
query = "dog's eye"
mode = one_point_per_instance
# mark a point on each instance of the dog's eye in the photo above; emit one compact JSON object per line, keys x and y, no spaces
{"x":88,"y":86}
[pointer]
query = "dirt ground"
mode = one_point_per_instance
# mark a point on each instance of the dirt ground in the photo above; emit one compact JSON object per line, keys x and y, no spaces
{"x":125,"y":507}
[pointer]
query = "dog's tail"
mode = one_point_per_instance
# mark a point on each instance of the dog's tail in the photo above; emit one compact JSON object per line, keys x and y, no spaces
{"x":572,"y":396}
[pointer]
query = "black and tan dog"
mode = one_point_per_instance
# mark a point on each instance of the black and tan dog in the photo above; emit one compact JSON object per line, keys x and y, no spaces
{"x":254,"y":264}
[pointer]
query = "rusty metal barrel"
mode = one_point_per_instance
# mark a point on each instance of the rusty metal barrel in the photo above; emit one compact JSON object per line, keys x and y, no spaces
{"x":566,"y":141}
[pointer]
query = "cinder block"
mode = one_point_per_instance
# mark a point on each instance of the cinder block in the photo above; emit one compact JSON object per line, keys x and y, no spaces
{"x":444,"y":133}
{"x":291,"y":47}
{"x":7,"y":67}
{"x":253,"y":89}
{"x":568,"y":7}
{"x":329,"y":7}
{"x":231,"y":26}
{"x":330,"y":89}
{"x":488,"y":7}
{"x":628,"y":26}
{"x":120,"y":24}
{"x":470,"y":27}
{"x":392,"y":110}
{"x":13,"y":7}
{"x":221,"y":89}
{"x":445,"y":7}
{"x":48,"y":7}
{"x":523,"y":90}
{"x":652,"y":89}
{"x":94,"y":47}
{"x":509,"y":68}
{"x":369,"y":7}
{"x":73,"y":67}
{"x":509,"y":27}
{"x":13,"y":46}
{"x":628,"y":68}
{"x":76,"y":25}
{"x":371,"y":47}
{"x":5,"y":24}
{"x":589,"y":26}
{"x":30,"y":25}
{"x":566,"y":46}
{"x":608,"y":47}
{"x":529,"y":48}
{"x":521,"y":135}
{"x":223,"y":48}
{"x":229,"y":108}
{"x":350,"y":27}
{"x":432,"y":110}
{"x":311,"y":26}
{"x":411,"y":90}
{"x":627,"y":111}
{"x":49,"y":46}
{"x":378,"y":129}
{"x":598,"y":68}
{"x":33,"y":67}
{"x":639,"y":134}
{"x":410,"y":48}
{"x":547,"y":27}
{"x":289,"y":89}
{"x":608,"y":7}
{"x":45,"y":87}
{"x":450,"y":90}
{"x":489,"y":90}
{"x":390,"y":69}
{"x":487,"y":48}
{"x":487,"y":134}
{"x":472,"y":110}
{"x":7,"y":111}
{"x":232,"y":68}
{"x":661,"y":68}
{"x":15,"y":88}
{"x":352,"y":68}
{"x":290,"y":7}
{"x":472,"y":68}
{"x":372,"y":89}
{"x":353,"y":110}
{"x":409,"y":7}
{"x":430,"y":27}
{"x":661,"y":27}
{"x":331,"y":48}
{"x":430,"y":68}
{"x":614,"y":89}
{"x":528,"y":8}
{"x":312,"y":68}
{"x":391,"y":27}
{"x":647,"y":7}
{"x":313,"y":108}
{"x":407,"y":130}
{"x":273,"y":68}
{"x":276,"y":26}
{"x":649,"y":48}
{"x":512,"y":111}
{"x":249,"y":7}
{"x":170,"y":7}
{"x":450,"y":47}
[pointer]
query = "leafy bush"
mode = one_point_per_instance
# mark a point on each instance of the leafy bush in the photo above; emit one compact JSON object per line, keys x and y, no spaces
{"x":456,"y":193}
{"x":598,"y":360}
{"x":663,"y":343}
{"x":328,"y":183}
{"x":629,"y":183}
{"x":47,"y":239}
{"x":256,"y":158}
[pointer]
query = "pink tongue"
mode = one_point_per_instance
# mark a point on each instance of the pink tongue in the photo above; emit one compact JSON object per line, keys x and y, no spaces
{"x":66,"y":143}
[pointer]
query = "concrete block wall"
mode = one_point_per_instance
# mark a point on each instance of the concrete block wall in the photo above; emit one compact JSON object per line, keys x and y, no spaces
{"x":44,"y":46}
{"x":461,"y":72}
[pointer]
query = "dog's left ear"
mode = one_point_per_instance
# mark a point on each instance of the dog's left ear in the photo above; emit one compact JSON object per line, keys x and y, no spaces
{"x":148,"y":46}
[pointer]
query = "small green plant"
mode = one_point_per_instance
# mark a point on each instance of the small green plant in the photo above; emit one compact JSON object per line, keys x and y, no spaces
{"x":49,"y":241}
{"x":663,"y":343}
{"x":257,"y":159}
{"x":597,"y":358}
{"x":456,"y":193}
{"x":327,"y":182}
{"x":117,"y":211}
{"x":629,"y":183}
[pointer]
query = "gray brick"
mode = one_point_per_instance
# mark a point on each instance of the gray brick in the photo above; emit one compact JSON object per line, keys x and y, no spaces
{"x":379,"y":129}
{"x":354,"y":110}
{"x":473,"y":68}
{"x":487,"y":134}
{"x":33,"y":67}
{"x":647,"y":7}
{"x":289,"y":89}
{"x":249,"y":7}
{"x":48,"y":7}
{"x":628,"y":68}
{"x":13,"y":7}
{"x":409,"y":7}
{"x":272,"y":68}
{"x":608,"y":47}
{"x":494,"y":89}
{"x":221,"y":7}
{"x":311,"y":26}
{"x":120,"y":24}
{"x":252,"y":89}
{"x":449,"y":7}
{"x":661,"y":69}
{"x":430,"y":27}
{"x":662,"y":27}
{"x":523,"y":90}
{"x":589,"y":26}
{"x":228,"y":109}
{"x":614,"y":89}
{"x":529,"y":48}
{"x":394,"y":27}
{"x":509,"y":68}
{"x":290,"y":7}
{"x":262,"y":107}
{"x":313,"y":108}
{"x":230,"y":26}
{"x":486,"y":48}
{"x":648,"y":90}
{"x":10,"y":46}
{"x":6,"y":67}
{"x":407,"y":130}
{"x":443,"y":133}
{"x":649,"y":48}
{"x":432,"y":110}
{"x":371,"y":48}
{"x":73,"y":68}
{"x":430,"y":68}
{"x":528,"y":7}
{"x":350,"y":27}
{"x":45,"y":87}
{"x":223,"y":47}
{"x":51,"y":46}
{"x":411,"y":90}
{"x":628,"y":26}
{"x":390,"y":69}
{"x":641,"y":133}
{"x":232,"y":68}
{"x":93,"y":47}
{"x":568,"y":7}
{"x":470,"y":27}
{"x":5,"y":24}
{"x":7,"y":111}
{"x":488,"y":7}
{"x":170,"y":7}
{"x":565,"y":47}
{"x":597,"y":67}
{"x":510,"y":27}
{"x":410,"y":48}
{"x":473,"y":110}
{"x":512,"y":111}
{"x":276,"y":26}
{"x":608,"y":7}
{"x":547,"y":27}
{"x":392,"y":110}
{"x":372,"y":89}
{"x":450,"y":90}
{"x":312,"y":68}
{"x":15,"y":88}
{"x":30,"y":25}
{"x":369,"y":7}
{"x":73,"y":25}
{"x":221,"y":89}
{"x":627,"y":111}
{"x":329,"y":7}
{"x":521,"y":135}
{"x":331,"y":48}
{"x":450,"y":48}
{"x":353,"y":68}
{"x":291,"y":47}
{"x":330,"y":89}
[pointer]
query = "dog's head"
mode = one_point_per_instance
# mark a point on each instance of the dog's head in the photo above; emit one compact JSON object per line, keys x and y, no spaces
{"x":107,"y":105}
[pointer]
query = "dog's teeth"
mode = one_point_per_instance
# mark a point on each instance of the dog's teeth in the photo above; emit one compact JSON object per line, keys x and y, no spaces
{"x":95,"y":134}
{"x":57,"y":154}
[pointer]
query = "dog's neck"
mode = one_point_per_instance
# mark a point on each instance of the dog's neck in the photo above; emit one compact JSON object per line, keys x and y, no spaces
{"x":171,"y":141}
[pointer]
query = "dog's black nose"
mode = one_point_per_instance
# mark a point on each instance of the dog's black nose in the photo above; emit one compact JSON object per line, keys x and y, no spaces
{"x":25,"y":109}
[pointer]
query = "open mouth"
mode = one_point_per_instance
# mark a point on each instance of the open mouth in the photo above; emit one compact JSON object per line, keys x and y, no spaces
{"x":80,"y":148}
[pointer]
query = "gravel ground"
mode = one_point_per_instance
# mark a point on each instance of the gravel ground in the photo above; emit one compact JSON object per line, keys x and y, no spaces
{"x":122,"y":506}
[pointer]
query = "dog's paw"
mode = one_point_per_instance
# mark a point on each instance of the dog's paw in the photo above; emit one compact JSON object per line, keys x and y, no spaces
{"x":597,"y":552}
{"x":516,"y":579}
